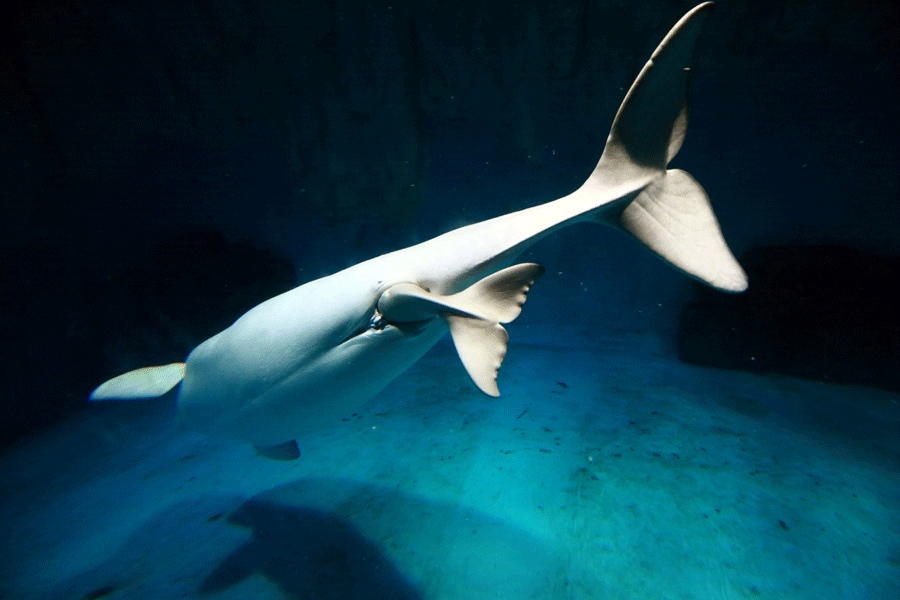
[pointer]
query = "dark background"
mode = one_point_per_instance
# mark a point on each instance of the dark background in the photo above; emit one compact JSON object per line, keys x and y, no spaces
{"x":166,"y":165}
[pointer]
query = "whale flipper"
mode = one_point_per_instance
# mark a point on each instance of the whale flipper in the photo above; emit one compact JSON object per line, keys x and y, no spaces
{"x":474,"y":316}
{"x":140,"y":384}
{"x":481,"y":346}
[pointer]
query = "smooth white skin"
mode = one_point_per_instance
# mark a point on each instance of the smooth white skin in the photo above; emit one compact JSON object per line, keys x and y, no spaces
{"x":309,"y":357}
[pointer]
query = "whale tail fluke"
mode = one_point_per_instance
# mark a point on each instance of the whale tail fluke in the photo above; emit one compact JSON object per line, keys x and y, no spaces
{"x":674,"y":218}
{"x":670,"y":213}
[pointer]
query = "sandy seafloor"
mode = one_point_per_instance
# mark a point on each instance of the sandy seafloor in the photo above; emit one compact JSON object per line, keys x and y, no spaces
{"x":606,"y":470}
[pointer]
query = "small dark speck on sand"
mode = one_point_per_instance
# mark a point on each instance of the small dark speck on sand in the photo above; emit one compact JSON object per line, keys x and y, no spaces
{"x":783,"y":525}
{"x":562,"y":384}
{"x":99,"y":593}
{"x":214,"y":518}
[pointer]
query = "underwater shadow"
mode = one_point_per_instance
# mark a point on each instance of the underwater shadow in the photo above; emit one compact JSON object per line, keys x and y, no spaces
{"x":206,"y":547}
{"x":347,"y":539}
{"x":326,"y":538}
{"x":307,"y":553}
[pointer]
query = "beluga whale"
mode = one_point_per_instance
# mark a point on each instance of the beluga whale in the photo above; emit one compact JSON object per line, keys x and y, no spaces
{"x":311,"y":356}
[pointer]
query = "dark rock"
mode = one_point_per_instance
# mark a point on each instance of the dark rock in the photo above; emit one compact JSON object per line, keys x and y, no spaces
{"x":826,"y":313}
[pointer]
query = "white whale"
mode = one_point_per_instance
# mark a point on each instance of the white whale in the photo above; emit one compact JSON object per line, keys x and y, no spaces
{"x":311,"y":356}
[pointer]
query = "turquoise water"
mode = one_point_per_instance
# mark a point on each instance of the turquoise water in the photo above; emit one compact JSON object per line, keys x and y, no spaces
{"x":605,"y":470}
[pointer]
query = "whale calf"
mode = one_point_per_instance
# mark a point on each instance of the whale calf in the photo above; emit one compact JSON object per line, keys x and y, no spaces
{"x":310,"y":356}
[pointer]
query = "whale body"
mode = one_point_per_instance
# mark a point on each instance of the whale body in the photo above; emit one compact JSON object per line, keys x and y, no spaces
{"x":310,"y":356}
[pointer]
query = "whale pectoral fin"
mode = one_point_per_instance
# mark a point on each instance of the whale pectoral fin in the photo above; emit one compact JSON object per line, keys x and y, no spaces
{"x":283,"y":451}
{"x":499,"y":297}
{"x":481,"y":346}
{"x":481,"y":341}
{"x":673,"y":218}
{"x":148,"y":382}
{"x":474,"y":316}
